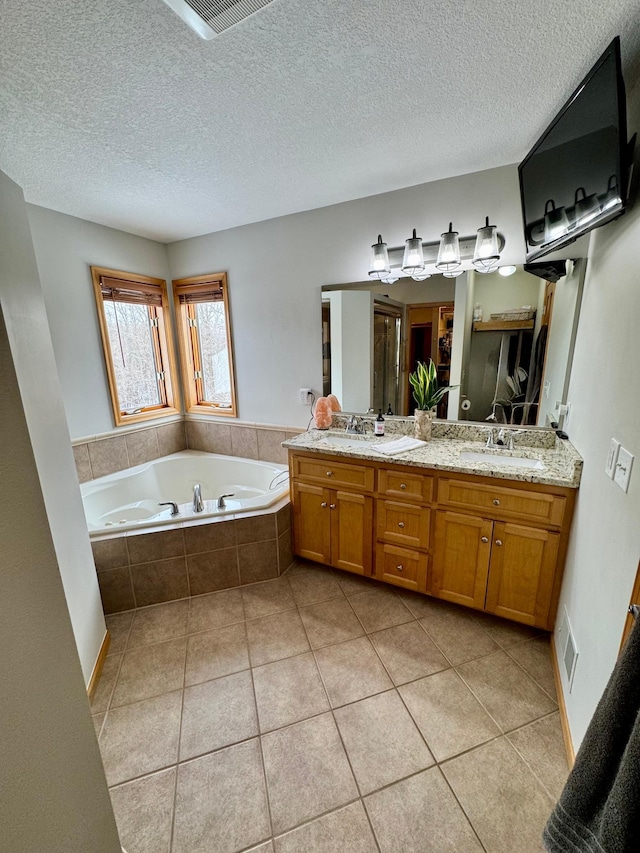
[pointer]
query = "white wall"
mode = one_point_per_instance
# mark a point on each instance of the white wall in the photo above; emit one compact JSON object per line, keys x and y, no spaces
{"x":54,"y":793}
{"x":351,"y":321}
{"x":65,"y":249}
{"x":496,"y":293}
{"x":277,"y":268}
{"x":24,"y":311}
{"x":605,"y":392}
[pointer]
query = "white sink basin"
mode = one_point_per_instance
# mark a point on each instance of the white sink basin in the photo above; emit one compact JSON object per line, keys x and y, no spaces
{"x":345,"y":440}
{"x":499,"y":459}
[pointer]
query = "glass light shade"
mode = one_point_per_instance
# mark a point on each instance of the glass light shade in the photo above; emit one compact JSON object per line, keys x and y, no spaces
{"x":507,"y":270}
{"x":612,"y":197}
{"x":452,"y":273}
{"x":586,"y":208}
{"x":486,"y":270}
{"x":390,"y":279}
{"x":413,"y":260}
{"x":556,"y":222}
{"x":486,"y":253}
{"x":422,"y":277}
{"x":449,"y":251}
{"x":379,"y":266}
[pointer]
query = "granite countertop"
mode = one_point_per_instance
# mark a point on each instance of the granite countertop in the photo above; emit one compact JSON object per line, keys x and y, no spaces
{"x":561,"y":461}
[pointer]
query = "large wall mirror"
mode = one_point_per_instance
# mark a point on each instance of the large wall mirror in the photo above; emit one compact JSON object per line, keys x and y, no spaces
{"x":504,"y":342}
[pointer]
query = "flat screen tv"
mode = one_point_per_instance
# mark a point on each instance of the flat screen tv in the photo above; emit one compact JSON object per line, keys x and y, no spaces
{"x":575,"y":177}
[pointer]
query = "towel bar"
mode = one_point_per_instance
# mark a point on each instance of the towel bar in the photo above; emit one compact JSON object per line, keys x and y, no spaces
{"x":634,"y":610}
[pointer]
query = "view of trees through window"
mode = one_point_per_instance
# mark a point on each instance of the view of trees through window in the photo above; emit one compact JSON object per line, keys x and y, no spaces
{"x":214,"y":355}
{"x":134,"y":354}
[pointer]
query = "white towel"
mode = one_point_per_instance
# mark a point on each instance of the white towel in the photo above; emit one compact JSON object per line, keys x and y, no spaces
{"x":399,"y":445}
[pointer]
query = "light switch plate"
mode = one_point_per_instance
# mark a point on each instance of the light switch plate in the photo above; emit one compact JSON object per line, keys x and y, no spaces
{"x":612,"y":458}
{"x":623,"y":469}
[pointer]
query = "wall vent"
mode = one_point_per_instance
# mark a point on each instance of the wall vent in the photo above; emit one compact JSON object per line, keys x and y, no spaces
{"x":209,"y":18}
{"x":568,"y":648}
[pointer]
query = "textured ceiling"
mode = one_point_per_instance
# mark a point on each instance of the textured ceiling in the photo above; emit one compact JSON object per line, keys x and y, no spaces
{"x":117,"y":113}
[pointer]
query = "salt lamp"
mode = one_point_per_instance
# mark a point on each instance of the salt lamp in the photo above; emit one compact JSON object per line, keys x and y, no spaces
{"x":334,"y":403}
{"x":323,"y":415}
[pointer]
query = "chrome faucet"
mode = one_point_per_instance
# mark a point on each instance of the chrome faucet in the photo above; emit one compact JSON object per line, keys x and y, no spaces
{"x":355,"y":425}
{"x":173,"y":505}
{"x":198,"y":506}
{"x":220,"y":504}
{"x":501,"y":439}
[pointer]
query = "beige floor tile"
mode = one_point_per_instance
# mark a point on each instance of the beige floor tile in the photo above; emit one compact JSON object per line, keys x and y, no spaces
{"x":288,"y":691}
{"x":216,"y":714}
{"x":144,"y":812}
{"x":119,"y":625}
{"x":307,"y":772}
{"x":344,"y":831}
{"x":140,"y":738}
{"x":98,"y":720}
{"x":150,"y":670}
{"x":352,"y":584}
{"x":535,"y":657}
{"x":262,"y":848}
{"x":330,"y":622}
{"x":379,"y":609}
{"x":448,"y":714}
{"x":276,"y":637}
{"x":159,"y":622}
{"x":351,"y":671}
{"x":408,"y":652}
{"x":505,"y":632}
{"x":506,"y":691}
{"x":505,"y":803}
{"x":420,"y":815}
{"x":215,"y":610}
{"x":542,"y":746}
{"x":313,"y":586}
{"x":213,"y":654}
{"x":418,"y":603}
{"x":382,"y":741}
{"x":104,"y":689}
{"x":221,"y":803}
{"x":457,"y":632}
{"x":263,"y":599}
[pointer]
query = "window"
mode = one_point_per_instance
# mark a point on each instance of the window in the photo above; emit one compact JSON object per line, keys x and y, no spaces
{"x":202,"y":308}
{"x":137,"y":349}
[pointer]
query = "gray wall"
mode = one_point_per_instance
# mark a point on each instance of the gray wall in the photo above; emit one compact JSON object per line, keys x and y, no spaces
{"x":54,"y":793}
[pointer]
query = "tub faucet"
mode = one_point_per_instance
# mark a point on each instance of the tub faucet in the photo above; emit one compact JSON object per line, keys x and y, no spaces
{"x":173,"y":505}
{"x":198,"y":506}
{"x":220,"y":504}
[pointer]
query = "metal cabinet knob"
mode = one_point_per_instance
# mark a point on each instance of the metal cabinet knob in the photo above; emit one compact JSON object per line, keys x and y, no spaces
{"x":332,"y":506}
{"x":329,"y":473}
{"x":399,"y":568}
{"x":401,"y":524}
{"x":323,"y":504}
{"x":403,"y":485}
{"x":498,"y":541}
{"x":496,"y":502}
{"x":485,"y":539}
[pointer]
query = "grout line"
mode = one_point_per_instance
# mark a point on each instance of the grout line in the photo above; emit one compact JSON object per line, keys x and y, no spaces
{"x":462,"y":809}
{"x":175,"y":789}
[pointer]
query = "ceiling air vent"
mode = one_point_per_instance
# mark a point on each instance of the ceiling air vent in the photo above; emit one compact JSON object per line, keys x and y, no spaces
{"x":209,"y":18}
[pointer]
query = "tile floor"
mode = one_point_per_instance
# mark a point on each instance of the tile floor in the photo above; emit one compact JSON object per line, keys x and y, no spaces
{"x":323,"y":712}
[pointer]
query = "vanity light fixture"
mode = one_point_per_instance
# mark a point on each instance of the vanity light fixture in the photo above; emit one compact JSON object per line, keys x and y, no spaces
{"x":586,"y":207}
{"x":487,"y":253}
{"x":413,"y":260}
{"x":449,"y":251}
{"x":556,"y":222}
{"x":509,"y":269}
{"x":453,"y":273}
{"x":379,"y":267}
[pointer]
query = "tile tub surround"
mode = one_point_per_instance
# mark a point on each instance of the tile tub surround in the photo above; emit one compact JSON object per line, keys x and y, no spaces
{"x":140,"y":569}
{"x":563,"y":464}
{"x":426,"y":754}
{"x":101,"y":455}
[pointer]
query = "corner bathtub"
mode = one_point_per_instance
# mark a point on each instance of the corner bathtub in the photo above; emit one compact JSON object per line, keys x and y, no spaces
{"x":129,"y":499}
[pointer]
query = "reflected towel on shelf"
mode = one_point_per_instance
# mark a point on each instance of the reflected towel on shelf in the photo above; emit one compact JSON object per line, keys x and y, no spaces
{"x":399,"y":445}
{"x":599,"y":808}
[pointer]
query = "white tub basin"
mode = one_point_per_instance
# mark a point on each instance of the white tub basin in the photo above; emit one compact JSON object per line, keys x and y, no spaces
{"x":502,"y":461}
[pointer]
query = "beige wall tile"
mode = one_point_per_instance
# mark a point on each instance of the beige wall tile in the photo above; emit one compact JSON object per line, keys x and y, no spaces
{"x":213,"y":570}
{"x":142,"y":446}
{"x":283,"y":519}
{"x":83,"y":463}
{"x":258,"y":561}
{"x":270,"y":445}
{"x":116,"y":590}
{"x":110,"y":553}
{"x":197,"y":435}
{"x":108,"y":455}
{"x":163,"y":580}
{"x":171,"y":438}
{"x":210,"y":537}
{"x":220,"y":439}
{"x":146,"y":547}
{"x":255,"y":528}
{"x":244,"y":442}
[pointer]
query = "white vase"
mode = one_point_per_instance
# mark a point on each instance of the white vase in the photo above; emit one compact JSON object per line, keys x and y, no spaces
{"x":423,"y":421}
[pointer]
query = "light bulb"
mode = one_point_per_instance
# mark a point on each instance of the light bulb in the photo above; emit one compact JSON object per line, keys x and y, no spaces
{"x":449,"y":251}
{"x":507,"y":270}
{"x":413,"y":260}
{"x":486,"y":254}
{"x":379,"y":266}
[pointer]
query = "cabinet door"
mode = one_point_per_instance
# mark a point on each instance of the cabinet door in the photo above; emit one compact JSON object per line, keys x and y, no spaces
{"x":351,"y":531}
{"x":401,"y":566}
{"x":521,"y":574}
{"x":311,"y":522}
{"x":461,"y":558}
{"x":403,"y":524}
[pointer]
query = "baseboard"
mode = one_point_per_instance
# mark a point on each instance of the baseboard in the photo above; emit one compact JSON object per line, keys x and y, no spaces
{"x":562,"y":708}
{"x":97,"y":669}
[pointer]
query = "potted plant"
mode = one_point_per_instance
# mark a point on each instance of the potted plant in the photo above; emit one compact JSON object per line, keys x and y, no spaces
{"x":427,"y":394}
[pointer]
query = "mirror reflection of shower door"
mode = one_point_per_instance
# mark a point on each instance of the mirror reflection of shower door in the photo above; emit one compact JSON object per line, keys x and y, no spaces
{"x":387,"y":334}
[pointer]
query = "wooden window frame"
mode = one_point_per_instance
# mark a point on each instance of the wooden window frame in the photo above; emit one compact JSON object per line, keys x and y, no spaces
{"x":162,"y":342}
{"x":190,"y":349}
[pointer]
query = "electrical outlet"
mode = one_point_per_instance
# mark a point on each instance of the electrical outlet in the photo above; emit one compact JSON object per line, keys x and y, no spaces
{"x":612,"y":458}
{"x":623,"y":469}
{"x":546,"y":388}
{"x":306,"y":396}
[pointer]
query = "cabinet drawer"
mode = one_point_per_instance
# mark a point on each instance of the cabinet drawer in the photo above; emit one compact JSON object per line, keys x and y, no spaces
{"x":403,"y":524}
{"x":396,"y":484}
{"x":332,"y":473}
{"x":500,"y":501}
{"x":401,"y":567}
